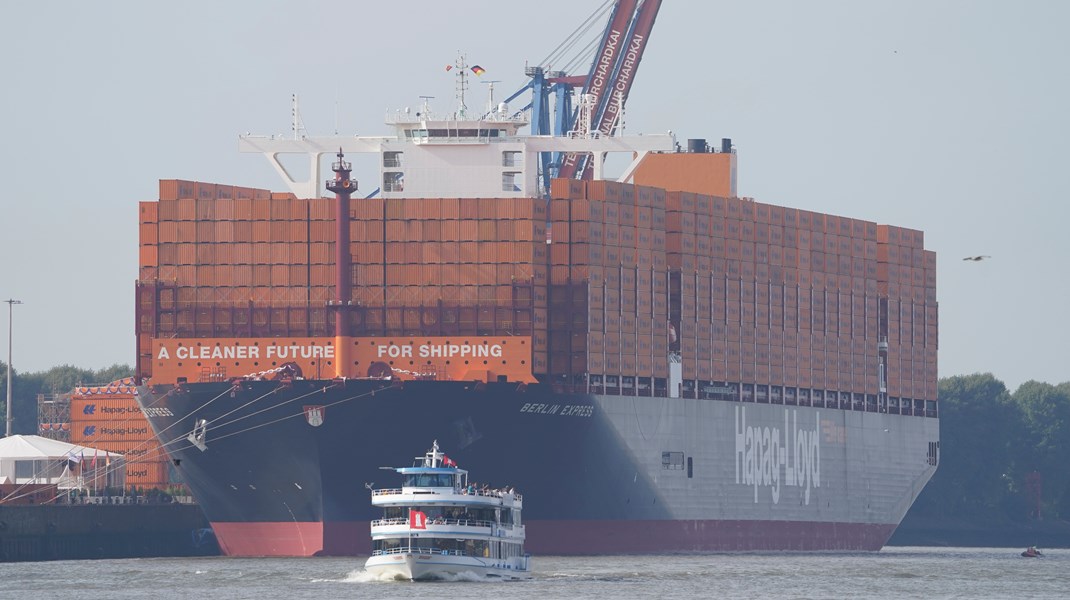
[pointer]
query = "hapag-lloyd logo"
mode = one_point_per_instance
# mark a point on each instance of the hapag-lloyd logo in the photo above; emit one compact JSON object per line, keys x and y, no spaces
{"x":762,"y":453}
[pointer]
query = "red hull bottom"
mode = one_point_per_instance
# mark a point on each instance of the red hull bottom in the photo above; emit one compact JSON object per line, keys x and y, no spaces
{"x":270,"y":539}
{"x":351,"y":538}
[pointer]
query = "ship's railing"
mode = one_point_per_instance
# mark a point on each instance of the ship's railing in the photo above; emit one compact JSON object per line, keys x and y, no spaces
{"x":489,"y":493}
{"x":419,"y":550}
{"x":437,"y":521}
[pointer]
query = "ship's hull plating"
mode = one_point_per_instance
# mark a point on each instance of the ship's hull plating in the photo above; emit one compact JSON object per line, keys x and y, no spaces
{"x":285,"y":466}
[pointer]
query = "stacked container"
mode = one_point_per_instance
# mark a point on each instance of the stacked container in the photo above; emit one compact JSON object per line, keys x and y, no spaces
{"x":449,"y":266}
{"x":108,"y":418}
{"x":908,"y":281}
{"x":224,"y":261}
{"x":608,"y":287}
{"x":755,"y":302}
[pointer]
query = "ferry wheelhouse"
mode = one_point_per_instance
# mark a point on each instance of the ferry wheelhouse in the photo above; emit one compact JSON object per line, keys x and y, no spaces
{"x":439,"y":524}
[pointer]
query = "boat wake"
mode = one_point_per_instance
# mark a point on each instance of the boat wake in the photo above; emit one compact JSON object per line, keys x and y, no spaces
{"x":362,"y":576}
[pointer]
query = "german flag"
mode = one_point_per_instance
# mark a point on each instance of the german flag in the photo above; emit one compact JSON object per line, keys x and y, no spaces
{"x":478,"y":70}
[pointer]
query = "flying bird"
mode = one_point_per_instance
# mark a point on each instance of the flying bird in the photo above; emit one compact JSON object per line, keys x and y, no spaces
{"x":976,"y":258}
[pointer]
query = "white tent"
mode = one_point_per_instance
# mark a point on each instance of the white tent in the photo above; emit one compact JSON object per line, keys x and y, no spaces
{"x":33,"y":459}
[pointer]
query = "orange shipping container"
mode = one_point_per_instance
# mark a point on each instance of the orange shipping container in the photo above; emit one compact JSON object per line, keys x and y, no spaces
{"x":146,"y":474}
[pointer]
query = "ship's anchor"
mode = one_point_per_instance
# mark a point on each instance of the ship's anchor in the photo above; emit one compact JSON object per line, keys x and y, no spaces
{"x":196,"y":437}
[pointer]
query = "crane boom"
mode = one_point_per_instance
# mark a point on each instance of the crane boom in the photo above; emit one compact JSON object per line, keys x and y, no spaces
{"x":603,"y":69}
{"x":625,"y":74}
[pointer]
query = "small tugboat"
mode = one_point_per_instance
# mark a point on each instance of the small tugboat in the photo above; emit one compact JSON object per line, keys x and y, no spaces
{"x":439,"y":525}
{"x":1032,"y":552}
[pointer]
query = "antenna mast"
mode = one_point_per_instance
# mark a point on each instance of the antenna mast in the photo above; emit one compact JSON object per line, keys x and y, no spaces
{"x":462,"y":85}
{"x":297,"y":126}
{"x":491,"y":109}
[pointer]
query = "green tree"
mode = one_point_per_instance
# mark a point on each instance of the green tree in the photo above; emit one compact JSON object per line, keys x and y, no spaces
{"x":978,"y":425}
{"x":1046,"y":443}
{"x":58,"y":380}
{"x":113,"y":373}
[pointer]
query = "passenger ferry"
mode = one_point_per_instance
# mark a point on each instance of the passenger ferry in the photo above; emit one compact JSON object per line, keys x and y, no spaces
{"x":440,"y":525}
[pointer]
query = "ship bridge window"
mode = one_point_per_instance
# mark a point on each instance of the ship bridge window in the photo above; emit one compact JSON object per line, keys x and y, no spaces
{"x":392,"y":159}
{"x":510,"y":181}
{"x":393,"y":182}
{"x":424,"y":480}
{"x":511,"y":159}
{"x":420,"y":134}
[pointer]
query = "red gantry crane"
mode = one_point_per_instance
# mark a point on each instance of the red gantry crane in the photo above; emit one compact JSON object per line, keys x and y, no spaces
{"x":610,"y":79}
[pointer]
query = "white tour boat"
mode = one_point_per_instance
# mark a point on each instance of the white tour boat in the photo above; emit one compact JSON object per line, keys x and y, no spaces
{"x":439,"y":525}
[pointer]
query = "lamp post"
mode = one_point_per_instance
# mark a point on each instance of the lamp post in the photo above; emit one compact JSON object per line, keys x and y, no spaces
{"x":10,"y":305}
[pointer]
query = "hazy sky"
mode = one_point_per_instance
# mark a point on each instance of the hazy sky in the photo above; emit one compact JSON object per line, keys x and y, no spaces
{"x":948,"y":116}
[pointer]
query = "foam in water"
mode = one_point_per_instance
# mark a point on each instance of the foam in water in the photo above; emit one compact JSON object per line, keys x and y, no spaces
{"x":362,"y":576}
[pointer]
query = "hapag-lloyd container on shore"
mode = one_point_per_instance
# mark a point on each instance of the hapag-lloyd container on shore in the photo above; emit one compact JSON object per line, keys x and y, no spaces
{"x":109,"y":418}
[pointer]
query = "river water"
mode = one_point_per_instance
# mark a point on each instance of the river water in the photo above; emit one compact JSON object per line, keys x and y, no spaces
{"x":895,"y":572}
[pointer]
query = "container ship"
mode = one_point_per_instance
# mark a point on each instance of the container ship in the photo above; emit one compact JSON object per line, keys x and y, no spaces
{"x":660,"y":364}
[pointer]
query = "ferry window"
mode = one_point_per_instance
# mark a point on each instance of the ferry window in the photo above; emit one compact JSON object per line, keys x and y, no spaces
{"x":748,"y":392}
{"x":393,"y":182}
{"x":672,"y":461}
{"x":762,"y":394}
{"x":428,"y":480}
{"x":510,"y":181}
{"x":392,"y":159}
{"x":511,"y":159}
{"x":690,"y":468}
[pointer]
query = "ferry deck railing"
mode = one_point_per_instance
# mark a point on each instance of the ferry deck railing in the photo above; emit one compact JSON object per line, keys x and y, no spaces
{"x":488,"y":493}
{"x":442,"y":521}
